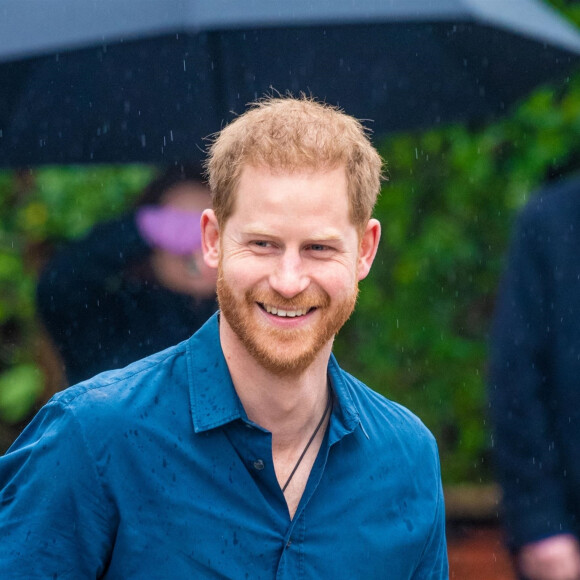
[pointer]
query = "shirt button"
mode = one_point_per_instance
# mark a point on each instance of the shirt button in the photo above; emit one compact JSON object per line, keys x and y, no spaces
{"x":259,"y":464}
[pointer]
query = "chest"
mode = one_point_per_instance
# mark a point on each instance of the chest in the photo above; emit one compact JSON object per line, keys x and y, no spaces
{"x":219,"y":512}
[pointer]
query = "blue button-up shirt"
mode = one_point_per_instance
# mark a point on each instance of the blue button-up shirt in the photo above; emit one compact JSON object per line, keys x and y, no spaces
{"x":155,"y":471}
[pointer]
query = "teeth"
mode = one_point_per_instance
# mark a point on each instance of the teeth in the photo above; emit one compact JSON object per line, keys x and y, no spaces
{"x":285,"y":313}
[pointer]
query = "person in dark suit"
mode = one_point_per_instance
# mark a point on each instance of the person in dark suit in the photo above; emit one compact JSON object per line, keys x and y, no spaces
{"x":534,"y":386}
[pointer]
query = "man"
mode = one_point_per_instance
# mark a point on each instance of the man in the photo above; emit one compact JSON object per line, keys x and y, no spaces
{"x":244,"y":452}
{"x":534,"y":386}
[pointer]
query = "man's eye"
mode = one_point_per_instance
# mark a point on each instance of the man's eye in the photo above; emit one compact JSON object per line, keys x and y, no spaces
{"x":319,"y":247}
{"x":261,"y":243}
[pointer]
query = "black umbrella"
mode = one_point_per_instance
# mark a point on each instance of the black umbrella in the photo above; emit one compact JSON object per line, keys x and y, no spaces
{"x":120,"y":81}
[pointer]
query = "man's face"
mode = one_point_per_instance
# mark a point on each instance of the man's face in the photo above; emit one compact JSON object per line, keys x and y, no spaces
{"x":289,"y":265}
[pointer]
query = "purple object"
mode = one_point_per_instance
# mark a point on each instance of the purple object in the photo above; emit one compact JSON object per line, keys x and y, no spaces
{"x":171,"y":229}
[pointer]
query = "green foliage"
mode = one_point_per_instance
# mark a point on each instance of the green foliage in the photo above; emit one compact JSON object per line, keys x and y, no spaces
{"x":63,"y":202}
{"x":570,"y":8}
{"x":39,"y":208}
{"x":420,"y":330}
{"x":20,"y":387}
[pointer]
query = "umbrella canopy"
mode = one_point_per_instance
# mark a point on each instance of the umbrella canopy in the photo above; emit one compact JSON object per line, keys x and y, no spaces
{"x":146,"y":80}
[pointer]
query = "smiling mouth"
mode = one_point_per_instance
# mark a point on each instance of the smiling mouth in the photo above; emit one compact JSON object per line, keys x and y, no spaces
{"x":285,"y":313}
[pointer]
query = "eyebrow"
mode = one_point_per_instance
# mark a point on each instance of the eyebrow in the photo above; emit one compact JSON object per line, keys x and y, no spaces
{"x":317,"y":237}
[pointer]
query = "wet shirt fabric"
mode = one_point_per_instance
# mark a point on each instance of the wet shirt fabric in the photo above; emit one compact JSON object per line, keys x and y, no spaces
{"x":155,"y":471}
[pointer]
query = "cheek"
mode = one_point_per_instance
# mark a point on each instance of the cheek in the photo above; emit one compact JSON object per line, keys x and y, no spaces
{"x":231,"y":278}
{"x":337,"y":282}
{"x":241,"y":272}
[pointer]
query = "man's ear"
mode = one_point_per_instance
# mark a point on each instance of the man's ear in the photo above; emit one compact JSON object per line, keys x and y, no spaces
{"x":369,"y":244}
{"x":210,"y":238}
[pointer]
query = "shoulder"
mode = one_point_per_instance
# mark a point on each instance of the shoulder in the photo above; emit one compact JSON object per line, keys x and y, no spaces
{"x":122,"y":393}
{"x":388,"y":423}
{"x":116,"y":412}
{"x":553,"y":205}
{"x":392,"y":449}
{"x":548,"y":225}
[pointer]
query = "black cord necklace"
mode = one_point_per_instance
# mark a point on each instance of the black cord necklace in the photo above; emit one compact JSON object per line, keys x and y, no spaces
{"x":328,"y":406}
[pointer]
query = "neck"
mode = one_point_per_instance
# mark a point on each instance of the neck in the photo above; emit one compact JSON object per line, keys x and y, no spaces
{"x":287,"y":405}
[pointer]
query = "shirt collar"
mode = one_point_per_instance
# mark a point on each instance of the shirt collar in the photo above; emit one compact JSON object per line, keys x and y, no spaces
{"x":214,"y":401}
{"x":345,"y":413}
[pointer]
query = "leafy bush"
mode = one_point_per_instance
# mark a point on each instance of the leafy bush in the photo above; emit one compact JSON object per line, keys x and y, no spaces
{"x":420,"y":329}
{"x":421,"y":326}
{"x":38,"y":209}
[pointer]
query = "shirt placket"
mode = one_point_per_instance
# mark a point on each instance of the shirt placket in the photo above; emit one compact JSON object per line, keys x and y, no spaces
{"x":292,"y":558}
{"x":254,"y":446}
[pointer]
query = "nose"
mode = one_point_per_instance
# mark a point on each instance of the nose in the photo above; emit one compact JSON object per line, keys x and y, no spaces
{"x":289,"y":277}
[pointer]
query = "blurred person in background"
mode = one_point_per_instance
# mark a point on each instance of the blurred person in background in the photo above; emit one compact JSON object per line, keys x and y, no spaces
{"x":534,"y":386}
{"x":133,"y":285}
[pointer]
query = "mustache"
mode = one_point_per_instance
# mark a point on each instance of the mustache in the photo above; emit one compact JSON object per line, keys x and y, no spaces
{"x":309,"y":298}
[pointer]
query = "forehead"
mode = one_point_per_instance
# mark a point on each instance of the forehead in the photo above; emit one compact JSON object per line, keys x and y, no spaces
{"x":292,"y":206}
{"x":266,"y":189}
{"x":295,"y":206}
